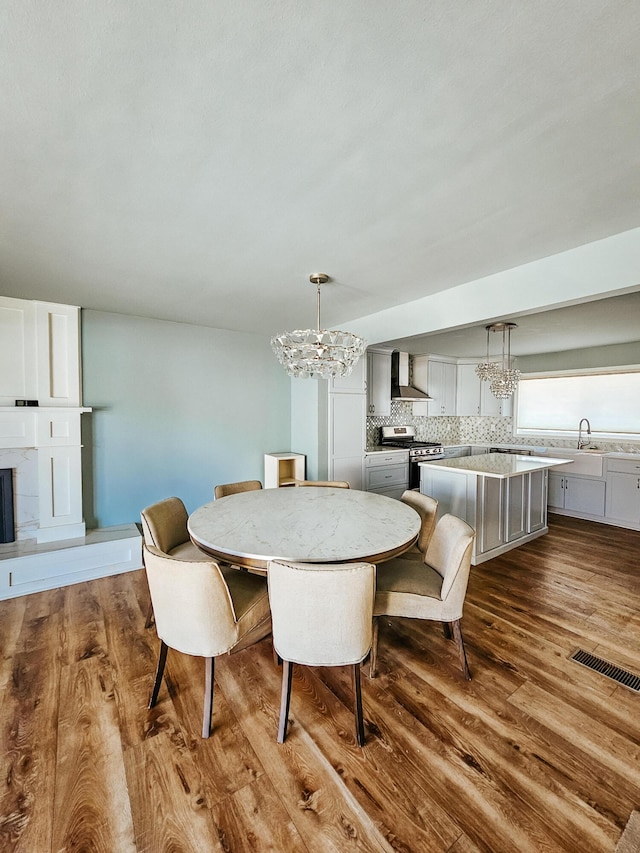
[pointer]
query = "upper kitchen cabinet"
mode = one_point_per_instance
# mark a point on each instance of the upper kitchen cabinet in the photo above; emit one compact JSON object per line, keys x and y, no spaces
{"x":354,"y":383}
{"x":40,"y":352}
{"x":437,"y":377}
{"x":474,"y":397}
{"x":379,"y":381}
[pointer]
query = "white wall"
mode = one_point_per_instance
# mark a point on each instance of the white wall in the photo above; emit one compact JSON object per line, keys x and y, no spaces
{"x":177,"y":409}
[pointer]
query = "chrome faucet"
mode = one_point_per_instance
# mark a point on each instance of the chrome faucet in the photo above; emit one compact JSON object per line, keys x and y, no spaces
{"x":583,"y":443}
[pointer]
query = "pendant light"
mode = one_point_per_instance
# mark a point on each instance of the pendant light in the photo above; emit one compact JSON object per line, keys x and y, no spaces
{"x":503,"y":378}
{"x":318,"y":353}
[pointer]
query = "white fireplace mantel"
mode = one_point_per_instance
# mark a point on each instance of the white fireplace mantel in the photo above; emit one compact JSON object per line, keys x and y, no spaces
{"x":48,"y":494}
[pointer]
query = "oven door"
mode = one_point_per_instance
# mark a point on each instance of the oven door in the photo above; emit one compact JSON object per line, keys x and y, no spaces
{"x":414,"y":473}
{"x":414,"y":468}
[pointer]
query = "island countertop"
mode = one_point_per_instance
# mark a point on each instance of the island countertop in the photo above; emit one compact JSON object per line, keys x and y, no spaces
{"x":500,"y":465}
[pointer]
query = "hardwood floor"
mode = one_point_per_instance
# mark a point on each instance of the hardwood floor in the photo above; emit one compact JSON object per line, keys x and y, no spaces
{"x":536,"y":753}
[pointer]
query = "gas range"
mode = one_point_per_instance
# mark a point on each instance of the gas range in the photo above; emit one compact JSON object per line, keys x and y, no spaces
{"x":405,"y":436}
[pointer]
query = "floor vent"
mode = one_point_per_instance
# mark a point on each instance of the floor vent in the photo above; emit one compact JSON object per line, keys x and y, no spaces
{"x":622,"y":676}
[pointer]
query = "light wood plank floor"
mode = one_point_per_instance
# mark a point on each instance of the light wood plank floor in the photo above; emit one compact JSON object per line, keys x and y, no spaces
{"x":537,"y":753}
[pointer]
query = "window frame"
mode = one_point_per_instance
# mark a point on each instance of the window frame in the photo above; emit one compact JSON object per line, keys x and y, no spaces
{"x":573,"y":433}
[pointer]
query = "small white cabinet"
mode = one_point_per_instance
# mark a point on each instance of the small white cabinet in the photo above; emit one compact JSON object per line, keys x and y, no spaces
{"x":436,"y":377}
{"x":623,"y":492}
{"x":379,"y":382}
{"x":582,"y":495}
{"x":474,"y":397}
{"x":387,"y":473}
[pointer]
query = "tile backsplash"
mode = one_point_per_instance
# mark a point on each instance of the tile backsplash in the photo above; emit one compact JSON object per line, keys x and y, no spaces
{"x":472,"y":430}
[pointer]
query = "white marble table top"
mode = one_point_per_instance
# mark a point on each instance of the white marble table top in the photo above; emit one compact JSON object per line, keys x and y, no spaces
{"x":499,"y":465}
{"x":310,"y":525}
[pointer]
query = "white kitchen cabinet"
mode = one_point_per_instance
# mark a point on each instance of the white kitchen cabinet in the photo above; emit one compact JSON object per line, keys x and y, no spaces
{"x":387,"y":473}
{"x":504,"y":511}
{"x":580,"y":495}
{"x":623,"y":492}
{"x":474,"y":397}
{"x":355,"y":383}
{"x":379,"y":381}
{"x":437,"y":377}
{"x":347,"y":437}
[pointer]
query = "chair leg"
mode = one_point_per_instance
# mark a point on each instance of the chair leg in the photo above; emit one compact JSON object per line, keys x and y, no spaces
{"x":357,"y":692}
{"x":277,"y":660}
{"x":446,"y":630}
{"x":373,"y":654}
{"x":285,"y":699}
{"x":162,"y":659}
{"x":149,"y":620}
{"x":457,"y":635}
{"x":209,"y":671}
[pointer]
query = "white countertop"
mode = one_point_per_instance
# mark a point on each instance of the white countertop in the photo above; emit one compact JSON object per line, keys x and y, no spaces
{"x":499,"y":465}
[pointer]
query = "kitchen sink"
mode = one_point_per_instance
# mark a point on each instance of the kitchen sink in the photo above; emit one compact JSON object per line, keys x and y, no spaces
{"x":586,"y":461}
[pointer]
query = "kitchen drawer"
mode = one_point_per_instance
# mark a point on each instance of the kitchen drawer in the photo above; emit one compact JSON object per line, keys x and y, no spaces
{"x":624,"y":466}
{"x":382,"y":477}
{"x":400,"y":457}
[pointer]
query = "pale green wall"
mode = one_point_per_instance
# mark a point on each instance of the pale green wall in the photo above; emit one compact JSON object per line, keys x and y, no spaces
{"x":309,"y":424}
{"x":177,"y":409}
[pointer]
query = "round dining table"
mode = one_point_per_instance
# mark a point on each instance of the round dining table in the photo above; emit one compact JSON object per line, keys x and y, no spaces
{"x":310,"y":525}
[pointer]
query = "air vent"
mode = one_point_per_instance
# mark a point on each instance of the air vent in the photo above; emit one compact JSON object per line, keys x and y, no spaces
{"x":604,"y":667}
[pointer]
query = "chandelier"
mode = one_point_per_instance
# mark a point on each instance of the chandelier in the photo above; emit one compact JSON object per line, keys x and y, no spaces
{"x":318,"y":353}
{"x":501,"y":376}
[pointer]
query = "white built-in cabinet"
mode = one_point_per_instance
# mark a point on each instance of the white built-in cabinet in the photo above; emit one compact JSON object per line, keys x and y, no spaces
{"x":40,"y":361}
{"x":39,"y":353}
{"x":347,"y":412}
{"x":436,"y":376}
{"x":474,"y":397}
{"x":379,"y":381}
{"x":583,"y":495}
{"x":623,"y":492}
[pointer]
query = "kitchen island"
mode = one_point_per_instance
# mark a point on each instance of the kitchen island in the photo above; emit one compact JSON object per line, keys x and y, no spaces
{"x":502,"y":496}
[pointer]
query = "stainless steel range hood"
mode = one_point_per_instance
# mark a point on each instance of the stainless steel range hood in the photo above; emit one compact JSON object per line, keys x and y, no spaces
{"x":400,"y":388}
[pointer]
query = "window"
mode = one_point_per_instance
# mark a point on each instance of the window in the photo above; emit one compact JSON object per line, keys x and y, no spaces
{"x":555,"y":404}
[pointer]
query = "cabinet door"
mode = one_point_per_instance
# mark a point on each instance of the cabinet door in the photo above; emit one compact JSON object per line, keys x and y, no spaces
{"x":467,"y":391}
{"x":583,"y":495}
{"x":623,"y":497}
{"x":490,"y":405}
{"x":348,"y":468}
{"x":441,"y":385}
{"x":347,"y":437}
{"x":347,"y":424}
{"x":354,"y":383}
{"x":378,"y":383}
{"x":556,"y":490}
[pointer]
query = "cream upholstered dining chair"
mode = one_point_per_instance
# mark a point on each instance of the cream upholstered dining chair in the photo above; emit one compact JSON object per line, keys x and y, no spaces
{"x":333,"y":484}
{"x":164,"y":526}
{"x":321,"y":616}
{"x":201,"y":611}
{"x":235,"y":488}
{"x":427,"y":509}
{"x":433,"y":589}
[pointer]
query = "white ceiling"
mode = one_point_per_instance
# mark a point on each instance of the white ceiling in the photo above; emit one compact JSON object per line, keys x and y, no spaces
{"x":196,"y":161}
